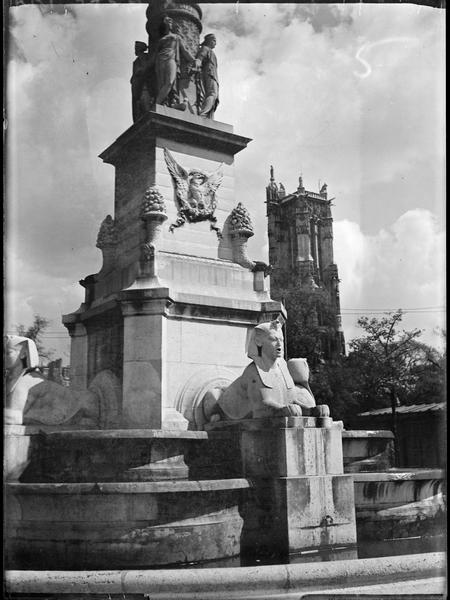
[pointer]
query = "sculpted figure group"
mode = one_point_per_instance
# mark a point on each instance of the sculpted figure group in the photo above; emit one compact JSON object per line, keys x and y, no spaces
{"x":156,"y":73}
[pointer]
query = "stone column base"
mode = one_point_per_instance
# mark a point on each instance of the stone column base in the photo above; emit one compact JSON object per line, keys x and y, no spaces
{"x":292,"y":514}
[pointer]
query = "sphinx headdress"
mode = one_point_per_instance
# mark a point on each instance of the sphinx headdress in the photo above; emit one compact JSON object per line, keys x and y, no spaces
{"x":258,"y":334}
{"x":29,"y":350}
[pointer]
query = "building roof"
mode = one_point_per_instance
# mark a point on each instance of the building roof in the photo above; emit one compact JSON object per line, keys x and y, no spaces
{"x":412,"y":408}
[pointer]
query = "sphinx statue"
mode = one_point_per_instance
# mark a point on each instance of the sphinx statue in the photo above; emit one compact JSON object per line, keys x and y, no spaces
{"x":31,"y":399}
{"x":268,"y":387}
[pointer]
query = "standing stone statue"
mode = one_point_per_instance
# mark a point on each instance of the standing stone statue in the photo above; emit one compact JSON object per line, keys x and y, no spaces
{"x":208,"y":81}
{"x":169,"y":51}
{"x":140,"y":95}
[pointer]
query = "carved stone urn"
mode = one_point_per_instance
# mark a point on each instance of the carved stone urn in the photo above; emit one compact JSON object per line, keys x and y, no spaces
{"x":107,"y":242}
{"x":153,"y":214}
{"x":241,"y":229}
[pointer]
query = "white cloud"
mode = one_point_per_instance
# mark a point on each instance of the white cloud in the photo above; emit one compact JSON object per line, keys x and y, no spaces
{"x":399,"y":267}
{"x":287,"y":75}
{"x":31,"y":292}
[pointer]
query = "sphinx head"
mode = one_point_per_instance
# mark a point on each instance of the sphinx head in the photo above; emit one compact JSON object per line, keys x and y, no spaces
{"x":266,"y":342}
{"x":20,"y":353}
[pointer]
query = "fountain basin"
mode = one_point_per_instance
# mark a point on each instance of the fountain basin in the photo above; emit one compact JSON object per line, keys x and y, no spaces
{"x":409,"y":573}
{"x":99,"y":525}
{"x":399,"y":503}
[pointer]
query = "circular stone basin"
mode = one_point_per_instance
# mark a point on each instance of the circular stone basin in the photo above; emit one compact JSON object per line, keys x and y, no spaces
{"x":98,"y":525}
{"x":391,"y":576}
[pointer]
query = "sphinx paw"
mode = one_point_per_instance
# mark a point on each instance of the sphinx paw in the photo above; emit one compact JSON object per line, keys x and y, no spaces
{"x":322,"y":410}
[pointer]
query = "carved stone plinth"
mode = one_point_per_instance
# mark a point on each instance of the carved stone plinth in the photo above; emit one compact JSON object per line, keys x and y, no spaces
{"x":138,"y":158}
{"x":291,"y":514}
{"x":292,"y":452}
{"x":300,"y":498}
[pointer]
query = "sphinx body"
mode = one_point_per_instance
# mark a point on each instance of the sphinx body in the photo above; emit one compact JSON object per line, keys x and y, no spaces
{"x":31,"y":399}
{"x":268,"y":386}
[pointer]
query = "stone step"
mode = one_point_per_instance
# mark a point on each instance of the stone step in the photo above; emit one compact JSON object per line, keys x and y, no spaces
{"x":46,"y":455}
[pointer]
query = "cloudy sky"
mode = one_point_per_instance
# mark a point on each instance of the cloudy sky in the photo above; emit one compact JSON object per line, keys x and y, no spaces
{"x":351,"y":95}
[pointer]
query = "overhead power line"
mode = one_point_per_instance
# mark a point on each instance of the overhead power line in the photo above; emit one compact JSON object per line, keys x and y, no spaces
{"x":412,"y":309}
{"x":352,"y":311}
{"x":398,"y":308}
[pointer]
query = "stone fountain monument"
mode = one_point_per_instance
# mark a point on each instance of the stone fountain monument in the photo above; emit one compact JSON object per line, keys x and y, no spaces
{"x":171,"y":281}
{"x":168,"y":318}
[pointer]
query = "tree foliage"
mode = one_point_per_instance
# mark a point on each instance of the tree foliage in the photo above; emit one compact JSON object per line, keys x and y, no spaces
{"x":384,"y":359}
{"x":35,"y":332}
{"x":386,"y":366}
{"x":429,"y":375}
{"x":333,"y":383}
{"x":310,"y":328}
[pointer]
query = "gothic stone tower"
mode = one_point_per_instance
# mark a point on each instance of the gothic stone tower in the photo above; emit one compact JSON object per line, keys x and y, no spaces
{"x":300,"y":231}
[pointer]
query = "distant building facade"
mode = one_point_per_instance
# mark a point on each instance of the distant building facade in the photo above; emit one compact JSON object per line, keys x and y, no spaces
{"x":300,"y":231}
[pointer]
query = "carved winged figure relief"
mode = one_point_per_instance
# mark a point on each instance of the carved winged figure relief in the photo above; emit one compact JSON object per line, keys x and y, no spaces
{"x":195,"y":193}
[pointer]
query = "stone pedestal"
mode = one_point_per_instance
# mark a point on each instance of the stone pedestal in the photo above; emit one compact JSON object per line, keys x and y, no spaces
{"x":293,"y":451}
{"x":300,"y":498}
{"x":167,"y":313}
{"x":294,"y":514}
{"x":138,"y":158}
